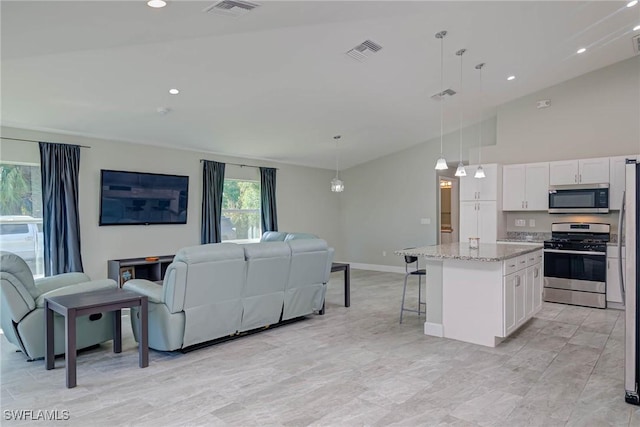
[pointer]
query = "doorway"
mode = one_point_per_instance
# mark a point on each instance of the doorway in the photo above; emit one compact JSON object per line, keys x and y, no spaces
{"x":449,"y":209}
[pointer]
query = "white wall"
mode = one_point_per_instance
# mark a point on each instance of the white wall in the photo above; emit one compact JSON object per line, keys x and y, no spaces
{"x":385,"y":199}
{"x":594,"y":115}
{"x":305,"y":202}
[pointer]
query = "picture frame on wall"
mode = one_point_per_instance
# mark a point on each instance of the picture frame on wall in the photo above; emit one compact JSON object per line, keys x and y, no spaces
{"x":127,"y":273}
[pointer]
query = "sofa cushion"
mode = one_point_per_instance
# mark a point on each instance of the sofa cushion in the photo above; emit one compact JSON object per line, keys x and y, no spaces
{"x":273,"y":236}
{"x":299,"y":236}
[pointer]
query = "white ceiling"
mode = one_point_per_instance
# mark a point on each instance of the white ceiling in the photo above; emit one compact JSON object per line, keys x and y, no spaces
{"x":275,"y":84}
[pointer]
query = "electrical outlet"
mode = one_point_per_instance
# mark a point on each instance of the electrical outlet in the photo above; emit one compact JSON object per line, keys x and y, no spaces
{"x":532,"y":223}
{"x":384,"y":253}
{"x":521,"y":223}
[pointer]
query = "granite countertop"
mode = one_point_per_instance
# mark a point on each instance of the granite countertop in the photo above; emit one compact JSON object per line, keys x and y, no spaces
{"x":488,"y":252}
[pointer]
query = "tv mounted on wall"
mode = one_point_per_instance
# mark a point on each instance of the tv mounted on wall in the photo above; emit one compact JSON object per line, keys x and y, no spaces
{"x":134,"y":198}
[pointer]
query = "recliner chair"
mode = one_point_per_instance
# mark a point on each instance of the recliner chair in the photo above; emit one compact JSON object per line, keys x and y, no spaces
{"x":22,"y":307}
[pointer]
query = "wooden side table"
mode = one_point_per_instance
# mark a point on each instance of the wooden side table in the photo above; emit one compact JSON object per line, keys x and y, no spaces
{"x":339,"y":266}
{"x":86,"y":303}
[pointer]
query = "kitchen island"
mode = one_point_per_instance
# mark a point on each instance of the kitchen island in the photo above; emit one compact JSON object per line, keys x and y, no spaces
{"x":480,"y":295}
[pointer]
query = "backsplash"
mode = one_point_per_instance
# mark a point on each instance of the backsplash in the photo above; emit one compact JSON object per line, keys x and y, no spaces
{"x":525,"y":236}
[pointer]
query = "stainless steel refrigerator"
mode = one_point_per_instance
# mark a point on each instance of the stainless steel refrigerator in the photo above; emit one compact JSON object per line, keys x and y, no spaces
{"x":631,"y":283}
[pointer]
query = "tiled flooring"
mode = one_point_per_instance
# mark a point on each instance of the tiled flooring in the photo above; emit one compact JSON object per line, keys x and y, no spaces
{"x":353,"y":366}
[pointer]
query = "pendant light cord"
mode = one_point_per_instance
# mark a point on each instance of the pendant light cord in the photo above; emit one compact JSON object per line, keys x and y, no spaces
{"x":479,"y":67}
{"x":461,"y":52}
{"x":441,"y":90}
{"x":337,"y":137}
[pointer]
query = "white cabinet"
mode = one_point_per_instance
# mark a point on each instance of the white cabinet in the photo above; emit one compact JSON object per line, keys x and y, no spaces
{"x":480,"y":188}
{"x":479,"y":219}
{"x":525,"y":187}
{"x":479,"y":213}
{"x":509,"y":304}
{"x":617,"y":180}
{"x":614,"y":293}
{"x":522,"y":290}
{"x":583,"y":171}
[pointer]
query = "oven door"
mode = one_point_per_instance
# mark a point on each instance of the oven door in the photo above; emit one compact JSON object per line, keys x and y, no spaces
{"x":575,"y":270}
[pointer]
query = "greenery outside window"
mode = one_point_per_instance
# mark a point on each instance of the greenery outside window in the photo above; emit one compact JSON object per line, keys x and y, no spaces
{"x":240,"y":220}
{"x":21,"y":214}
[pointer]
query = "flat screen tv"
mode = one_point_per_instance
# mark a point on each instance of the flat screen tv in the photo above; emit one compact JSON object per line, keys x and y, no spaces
{"x":134,"y":198}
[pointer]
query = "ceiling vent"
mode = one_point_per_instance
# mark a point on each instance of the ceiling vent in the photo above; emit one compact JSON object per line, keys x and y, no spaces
{"x":364,"y":50}
{"x":636,"y":44}
{"x":447,"y":92}
{"x":231,"y":7}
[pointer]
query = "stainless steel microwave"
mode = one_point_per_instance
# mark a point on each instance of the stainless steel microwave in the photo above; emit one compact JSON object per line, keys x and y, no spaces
{"x":587,"y":198}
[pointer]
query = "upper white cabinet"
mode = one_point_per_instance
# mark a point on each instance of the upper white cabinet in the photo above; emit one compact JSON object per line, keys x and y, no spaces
{"x":617,"y":180}
{"x":525,"y":187}
{"x":480,"y":188}
{"x":583,"y":171}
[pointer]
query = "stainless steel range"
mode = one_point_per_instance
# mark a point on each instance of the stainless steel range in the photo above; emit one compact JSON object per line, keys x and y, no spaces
{"x":575,"y":264}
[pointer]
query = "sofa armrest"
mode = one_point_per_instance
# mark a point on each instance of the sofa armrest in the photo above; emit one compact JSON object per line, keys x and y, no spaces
{"x":94,"y":285}
{"x":144,"y":287}
{"x":46,"y":284}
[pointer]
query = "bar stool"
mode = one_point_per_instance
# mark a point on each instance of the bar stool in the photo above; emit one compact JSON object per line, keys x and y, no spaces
{"x":417,"y":272}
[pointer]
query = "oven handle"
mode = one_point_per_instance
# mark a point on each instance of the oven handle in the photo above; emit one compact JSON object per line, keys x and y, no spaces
{"x":562,"y":251}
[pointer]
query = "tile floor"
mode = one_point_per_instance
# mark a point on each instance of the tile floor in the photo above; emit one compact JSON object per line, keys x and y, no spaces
{"x":354,"y":366}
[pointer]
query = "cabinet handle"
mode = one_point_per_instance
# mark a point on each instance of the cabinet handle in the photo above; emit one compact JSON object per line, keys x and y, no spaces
{"x":536,"y":272}
{"x":526,"y":204}
{"x":522,"y":204}
{"x":517,"y":281}
{"x":580,"y":177}
{"x":608,"y":265}
{"x":512,"y":265}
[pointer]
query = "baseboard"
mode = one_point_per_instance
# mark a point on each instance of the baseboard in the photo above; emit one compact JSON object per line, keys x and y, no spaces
{"x":377,"y":267}
{"x":615,"y":305}
{"x":433,"y":329}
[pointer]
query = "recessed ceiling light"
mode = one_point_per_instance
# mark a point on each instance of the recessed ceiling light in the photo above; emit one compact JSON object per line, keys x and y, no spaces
{"x":636,"y":28}
{"x":511,"y":78}
{"x":581,"y":50}
{"x":156,"y":3}
{"x":174,"y":91}
{"x":632,"y":3}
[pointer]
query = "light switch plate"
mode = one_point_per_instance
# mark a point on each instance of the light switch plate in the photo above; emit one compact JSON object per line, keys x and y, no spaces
{"x":532,"y":223}
{"x":521,"y":223}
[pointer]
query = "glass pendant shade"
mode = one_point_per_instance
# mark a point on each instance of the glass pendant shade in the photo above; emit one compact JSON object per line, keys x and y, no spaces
{"x":479,"y":172}
{"x":337,"y":186}
{"x":461,"y":170}
{"x":441,"y":164}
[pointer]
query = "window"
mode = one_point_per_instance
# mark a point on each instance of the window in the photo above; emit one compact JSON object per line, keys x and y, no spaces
{"x":240,"y":211}
{"x":21,"y":214}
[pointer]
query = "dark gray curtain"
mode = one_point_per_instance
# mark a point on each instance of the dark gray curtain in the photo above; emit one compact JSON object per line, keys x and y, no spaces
{"x":59,"y":165}
{"x":212,"y":187}
{"x":269,"y":214}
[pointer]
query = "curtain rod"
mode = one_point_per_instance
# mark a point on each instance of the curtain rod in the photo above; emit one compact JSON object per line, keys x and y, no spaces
{"x":33,"y":140}
{"x":239,"y":164}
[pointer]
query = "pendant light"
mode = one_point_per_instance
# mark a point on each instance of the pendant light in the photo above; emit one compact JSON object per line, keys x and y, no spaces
{"x":460,"y":171}
{"x":337,"y":186}
{"x":480,"y":171}
{"x":441,"y":164}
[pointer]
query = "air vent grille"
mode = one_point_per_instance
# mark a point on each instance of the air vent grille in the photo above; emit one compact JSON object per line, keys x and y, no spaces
{"x":447,"y":92}
{"x":636,"y":44}
{"x":231,"y":7}
{"x":364,"y":50}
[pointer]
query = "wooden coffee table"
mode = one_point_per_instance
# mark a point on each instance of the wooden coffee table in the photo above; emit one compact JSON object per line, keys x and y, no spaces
{"x":84,"y":304}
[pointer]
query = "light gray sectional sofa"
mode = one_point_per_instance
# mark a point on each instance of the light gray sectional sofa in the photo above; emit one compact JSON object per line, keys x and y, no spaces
{"x":217,"y":290}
